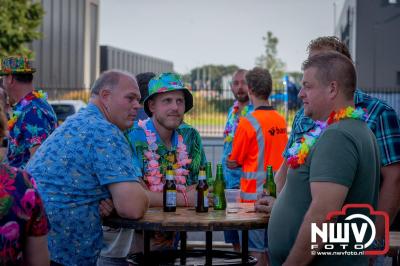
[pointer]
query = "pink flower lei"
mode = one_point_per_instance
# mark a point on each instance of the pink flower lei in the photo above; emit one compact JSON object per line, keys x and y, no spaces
{"x":152,"y":173}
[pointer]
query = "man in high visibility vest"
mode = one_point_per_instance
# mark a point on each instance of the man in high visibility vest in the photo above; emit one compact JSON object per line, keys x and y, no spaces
{"x":259,"y":141}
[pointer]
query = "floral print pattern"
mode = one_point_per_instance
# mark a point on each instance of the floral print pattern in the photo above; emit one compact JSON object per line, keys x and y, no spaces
{"x":33,"y":120}
{"x":21,"y":214}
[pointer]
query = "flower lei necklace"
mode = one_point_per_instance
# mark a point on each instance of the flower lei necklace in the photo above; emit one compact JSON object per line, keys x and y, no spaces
{"x":25,"y":101}
{"x":152,"y":174}
{"x":233,"y":121}
{"x":299,"y":151}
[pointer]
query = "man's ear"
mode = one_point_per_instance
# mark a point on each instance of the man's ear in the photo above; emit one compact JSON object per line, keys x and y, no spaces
{"x":104,"y":95}
{"x":333,"y":89}
{"x":151,"y":104}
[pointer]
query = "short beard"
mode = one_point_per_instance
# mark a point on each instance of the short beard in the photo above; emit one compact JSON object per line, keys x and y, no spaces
{"x":161,"y":123}
{"x":243,"y":99}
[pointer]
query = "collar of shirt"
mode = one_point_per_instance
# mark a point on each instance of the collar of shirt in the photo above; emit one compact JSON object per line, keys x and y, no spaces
{"x":174,"y":137}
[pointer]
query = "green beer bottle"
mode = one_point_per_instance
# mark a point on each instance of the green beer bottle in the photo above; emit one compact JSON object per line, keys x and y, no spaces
{"x":210,"y":179}
{"x":219,"y":190}
{"x":271,"y":187}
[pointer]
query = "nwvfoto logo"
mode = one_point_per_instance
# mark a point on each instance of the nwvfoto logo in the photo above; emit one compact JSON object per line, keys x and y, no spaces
{"x":336,"y":235}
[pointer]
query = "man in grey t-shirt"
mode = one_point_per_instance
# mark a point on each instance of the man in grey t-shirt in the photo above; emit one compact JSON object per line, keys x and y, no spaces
{"x":342,"y":167}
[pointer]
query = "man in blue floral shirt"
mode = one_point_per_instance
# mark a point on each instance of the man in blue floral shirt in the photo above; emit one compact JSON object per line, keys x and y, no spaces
{"x":33,"y":119}
{"x":88,"y":159}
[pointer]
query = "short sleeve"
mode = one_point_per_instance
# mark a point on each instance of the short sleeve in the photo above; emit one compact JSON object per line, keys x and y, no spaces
{"x":39,"y":224}
{"x":38,"y":127}
{"x":32,"y":205}
{"x":112,"y":156}
{"x":388,"y":137}
{"x":334,"y":158}
{"x":194,"y":145}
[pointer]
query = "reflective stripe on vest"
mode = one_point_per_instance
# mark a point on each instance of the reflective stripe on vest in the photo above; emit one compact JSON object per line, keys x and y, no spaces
{"x":251,"y":183}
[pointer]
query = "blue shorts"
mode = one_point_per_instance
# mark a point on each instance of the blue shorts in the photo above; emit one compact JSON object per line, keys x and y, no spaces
{"x":258,"y":240}
{"x":231,"y":236}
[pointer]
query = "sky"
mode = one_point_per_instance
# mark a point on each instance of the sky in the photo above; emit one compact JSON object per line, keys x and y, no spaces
{"x":192,"y":33}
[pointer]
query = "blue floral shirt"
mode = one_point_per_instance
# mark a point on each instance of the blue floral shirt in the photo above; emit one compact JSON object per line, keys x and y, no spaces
{"x":72,"y":170}
{"x":33,"y":120}
{"x":382,"y":120}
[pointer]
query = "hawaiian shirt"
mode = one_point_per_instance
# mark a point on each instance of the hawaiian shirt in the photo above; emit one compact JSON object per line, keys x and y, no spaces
{"x":36,"y":120}
{"x":232,"y":176}
{"x":22,"y":214}
{"x":72,"y":169}
{"x":191,"y":138}
{"x":382,"y":120}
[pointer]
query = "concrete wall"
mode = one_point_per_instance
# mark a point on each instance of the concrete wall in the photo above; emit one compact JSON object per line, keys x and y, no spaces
{"x":67,"y":57}
{"x":375,"y":44}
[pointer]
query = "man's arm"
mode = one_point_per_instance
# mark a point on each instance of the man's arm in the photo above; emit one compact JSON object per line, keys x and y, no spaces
{"x":280,"y":176}
{"x":129,"y":198}
{"x":326,"y":197}
{"x":389,"y":196}
{"x":33,"y":149}
{"x":36,"y":252}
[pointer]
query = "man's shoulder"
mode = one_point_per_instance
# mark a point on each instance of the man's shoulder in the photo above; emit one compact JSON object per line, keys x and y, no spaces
{"x":184,"y":127}
{"x":371,"y":103}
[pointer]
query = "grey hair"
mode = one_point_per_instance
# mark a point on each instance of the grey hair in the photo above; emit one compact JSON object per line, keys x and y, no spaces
{"x":110,"y":80}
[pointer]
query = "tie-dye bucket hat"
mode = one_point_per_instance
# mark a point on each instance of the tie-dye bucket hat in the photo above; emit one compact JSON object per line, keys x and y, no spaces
{"x":167,"y":82}
{"x":15,"y":65}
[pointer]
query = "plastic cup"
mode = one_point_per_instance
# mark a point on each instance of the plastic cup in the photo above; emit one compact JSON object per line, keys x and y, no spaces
{"x":232,"y":197}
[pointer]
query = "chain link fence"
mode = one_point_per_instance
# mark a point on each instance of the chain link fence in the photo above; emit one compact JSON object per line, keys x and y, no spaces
{"x":211,"y":107}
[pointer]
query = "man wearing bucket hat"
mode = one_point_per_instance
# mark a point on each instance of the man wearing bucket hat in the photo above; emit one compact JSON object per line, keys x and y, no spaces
{"x":167,"y":138}
{"x":33,"y":119}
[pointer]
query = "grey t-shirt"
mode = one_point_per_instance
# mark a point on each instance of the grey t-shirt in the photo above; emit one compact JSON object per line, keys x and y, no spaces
{"x":346,"y":154}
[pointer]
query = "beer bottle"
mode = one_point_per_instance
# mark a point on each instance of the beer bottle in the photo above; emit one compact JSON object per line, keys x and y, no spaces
{"x":202,"y":192}
{"x":169,"y":192}
{"x":210,"y":179}
{"x":271,"y":184}
{"x":219,"y":190}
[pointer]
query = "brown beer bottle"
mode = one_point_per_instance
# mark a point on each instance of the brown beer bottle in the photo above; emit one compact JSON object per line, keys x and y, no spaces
{"x":169,"y":193}
{"x":202,"y":192}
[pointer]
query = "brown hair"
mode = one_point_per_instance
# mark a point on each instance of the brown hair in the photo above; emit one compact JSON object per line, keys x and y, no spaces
{"x":260,"y":82}
{"x":334,"y":66}
{"x":331,"y":43}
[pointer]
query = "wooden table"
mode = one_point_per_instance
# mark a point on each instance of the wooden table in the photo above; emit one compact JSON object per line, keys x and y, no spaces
{"x":187,"y":219}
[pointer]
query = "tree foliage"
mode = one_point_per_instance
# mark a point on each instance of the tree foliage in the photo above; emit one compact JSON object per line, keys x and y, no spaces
{"x":19,"y":20}
{"x":270,"y":59}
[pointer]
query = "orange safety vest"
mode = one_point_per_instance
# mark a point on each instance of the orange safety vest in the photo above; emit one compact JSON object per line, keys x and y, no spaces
{"x":259,"y":140}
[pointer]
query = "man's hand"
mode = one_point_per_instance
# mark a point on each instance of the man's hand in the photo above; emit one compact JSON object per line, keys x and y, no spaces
{"x":231,"y":164}
{"x":210,"y":197}
{"x":106,"y":207}
{"x":265,"y":204}
{"x":191,"y":195}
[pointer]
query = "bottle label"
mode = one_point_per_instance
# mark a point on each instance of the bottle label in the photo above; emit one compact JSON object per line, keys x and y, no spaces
{"x":170,"y":199}
{"x":216,"y":201}
{"x":205,"y":197}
